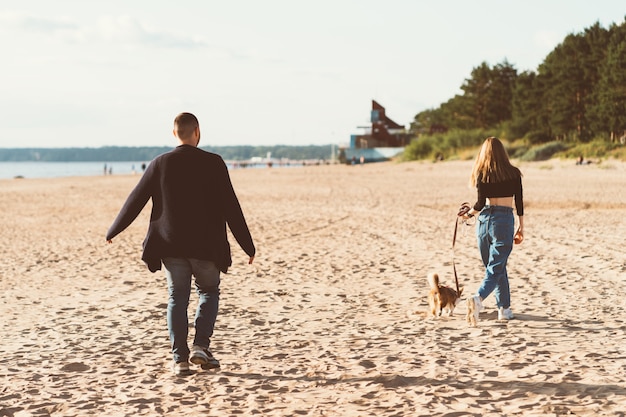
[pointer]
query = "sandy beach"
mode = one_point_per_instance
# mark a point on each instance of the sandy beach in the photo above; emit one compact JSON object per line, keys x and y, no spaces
{"x":331,"y":319}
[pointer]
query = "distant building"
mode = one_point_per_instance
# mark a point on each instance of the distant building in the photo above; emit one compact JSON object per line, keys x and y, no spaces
{"x":382,"y":140}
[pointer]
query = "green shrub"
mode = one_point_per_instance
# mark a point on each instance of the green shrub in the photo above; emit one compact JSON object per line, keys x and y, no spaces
{"x":537,"y":137}
{"x":595,"y":149}
{"x":420,"y":148}
{"x":619,"y":153}
{"x":463,"y":144}
{"x":517,"y":149}
{"x":460,"y":139}
{"x":543,"y":152}
{"x":446,"y":145}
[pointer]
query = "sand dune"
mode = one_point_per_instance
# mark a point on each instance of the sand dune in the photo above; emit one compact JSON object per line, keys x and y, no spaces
{"x":331,"y":318}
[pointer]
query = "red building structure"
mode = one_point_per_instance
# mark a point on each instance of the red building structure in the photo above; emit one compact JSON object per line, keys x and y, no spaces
{"x":382,"y":140}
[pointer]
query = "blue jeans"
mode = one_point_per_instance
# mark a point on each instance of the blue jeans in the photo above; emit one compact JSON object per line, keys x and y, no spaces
{"x":178,"y":272}
{"x":494,"y":230}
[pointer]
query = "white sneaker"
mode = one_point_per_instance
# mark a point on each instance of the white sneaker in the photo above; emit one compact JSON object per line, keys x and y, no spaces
{"x":181,"y":368}
{"x":203,"y":357}
{"x":198,"y":355}
{"x":505,"y":314}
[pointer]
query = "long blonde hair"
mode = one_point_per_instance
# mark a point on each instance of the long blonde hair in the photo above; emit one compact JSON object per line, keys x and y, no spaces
{"x":492,"y":164}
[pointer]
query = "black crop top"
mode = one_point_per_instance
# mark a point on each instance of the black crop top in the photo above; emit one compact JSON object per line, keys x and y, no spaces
{"x":508,"y":188}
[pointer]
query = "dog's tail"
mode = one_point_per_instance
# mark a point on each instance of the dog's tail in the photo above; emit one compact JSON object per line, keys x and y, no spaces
{"x":433,"y":280}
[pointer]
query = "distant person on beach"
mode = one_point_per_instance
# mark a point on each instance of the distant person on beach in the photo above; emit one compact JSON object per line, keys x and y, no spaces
{"x":582,"y":161}
{"x":498,"y":184}
{"x":192,"y":202}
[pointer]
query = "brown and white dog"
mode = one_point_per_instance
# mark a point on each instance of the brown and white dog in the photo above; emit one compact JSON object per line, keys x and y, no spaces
{"x":441,"y":298}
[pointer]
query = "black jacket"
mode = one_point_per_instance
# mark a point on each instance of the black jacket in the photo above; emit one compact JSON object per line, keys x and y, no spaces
{"x":192,"y":201}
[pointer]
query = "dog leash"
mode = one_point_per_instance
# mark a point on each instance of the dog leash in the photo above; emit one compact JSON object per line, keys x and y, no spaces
{"x":465,"y":207}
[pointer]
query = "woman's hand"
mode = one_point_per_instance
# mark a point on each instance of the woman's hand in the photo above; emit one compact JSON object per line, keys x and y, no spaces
{"x":465,"y":211}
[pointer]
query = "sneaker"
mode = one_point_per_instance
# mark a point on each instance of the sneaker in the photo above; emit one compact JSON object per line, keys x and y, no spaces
{"x":181,"y":368}
{"x":505,"y":314}
{"x":203,"y":357}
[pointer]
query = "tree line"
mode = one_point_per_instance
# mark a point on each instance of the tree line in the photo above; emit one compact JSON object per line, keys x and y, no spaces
{"x":577,"y":95}
{"x":122,"y":153}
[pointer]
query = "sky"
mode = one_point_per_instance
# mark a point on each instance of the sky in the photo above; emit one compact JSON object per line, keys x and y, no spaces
{"x":98,"y":73}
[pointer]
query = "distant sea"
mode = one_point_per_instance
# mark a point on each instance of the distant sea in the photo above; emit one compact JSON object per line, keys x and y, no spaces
{"x":66,"y":169}
{"x":32,"y":169}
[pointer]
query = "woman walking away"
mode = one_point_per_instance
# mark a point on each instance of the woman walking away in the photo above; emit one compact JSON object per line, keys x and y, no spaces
{"x":498,"y":184}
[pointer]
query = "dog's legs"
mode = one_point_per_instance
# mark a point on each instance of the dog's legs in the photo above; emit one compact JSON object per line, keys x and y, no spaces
{"x":470,"y":317}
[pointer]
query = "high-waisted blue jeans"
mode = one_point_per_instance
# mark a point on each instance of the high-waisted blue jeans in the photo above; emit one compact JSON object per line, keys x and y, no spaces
{"x":495,"y":228}
{"x":178,"y":272}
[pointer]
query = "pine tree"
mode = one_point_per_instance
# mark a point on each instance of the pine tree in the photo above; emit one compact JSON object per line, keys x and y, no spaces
{"x":609,"y":112}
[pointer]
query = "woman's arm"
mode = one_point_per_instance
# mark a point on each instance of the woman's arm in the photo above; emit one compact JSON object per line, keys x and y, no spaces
{"x":519,"y":235}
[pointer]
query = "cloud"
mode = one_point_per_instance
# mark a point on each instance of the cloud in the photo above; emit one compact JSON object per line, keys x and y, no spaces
{"x":35,"y":24}
{"x":32,"y":23}
{"x":126,"y":29}
{"x":108,"y":29}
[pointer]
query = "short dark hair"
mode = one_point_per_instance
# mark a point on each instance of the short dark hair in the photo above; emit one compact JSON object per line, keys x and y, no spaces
{"x":185,"y":124}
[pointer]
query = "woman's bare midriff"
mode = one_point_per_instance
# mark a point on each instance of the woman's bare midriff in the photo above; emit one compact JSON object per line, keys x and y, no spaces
{"x":500,"y":201}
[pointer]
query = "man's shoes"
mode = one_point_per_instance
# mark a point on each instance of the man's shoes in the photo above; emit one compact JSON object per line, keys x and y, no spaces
{"x":181,"y":368}
{"x":203,"y":357}
{"x":198,"y":355}
{"x":505,"y":314}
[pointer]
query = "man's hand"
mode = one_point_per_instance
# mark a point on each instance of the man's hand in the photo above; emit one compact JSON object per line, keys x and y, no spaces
{"x":250,"y":260}
{"x":109,"y":241}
